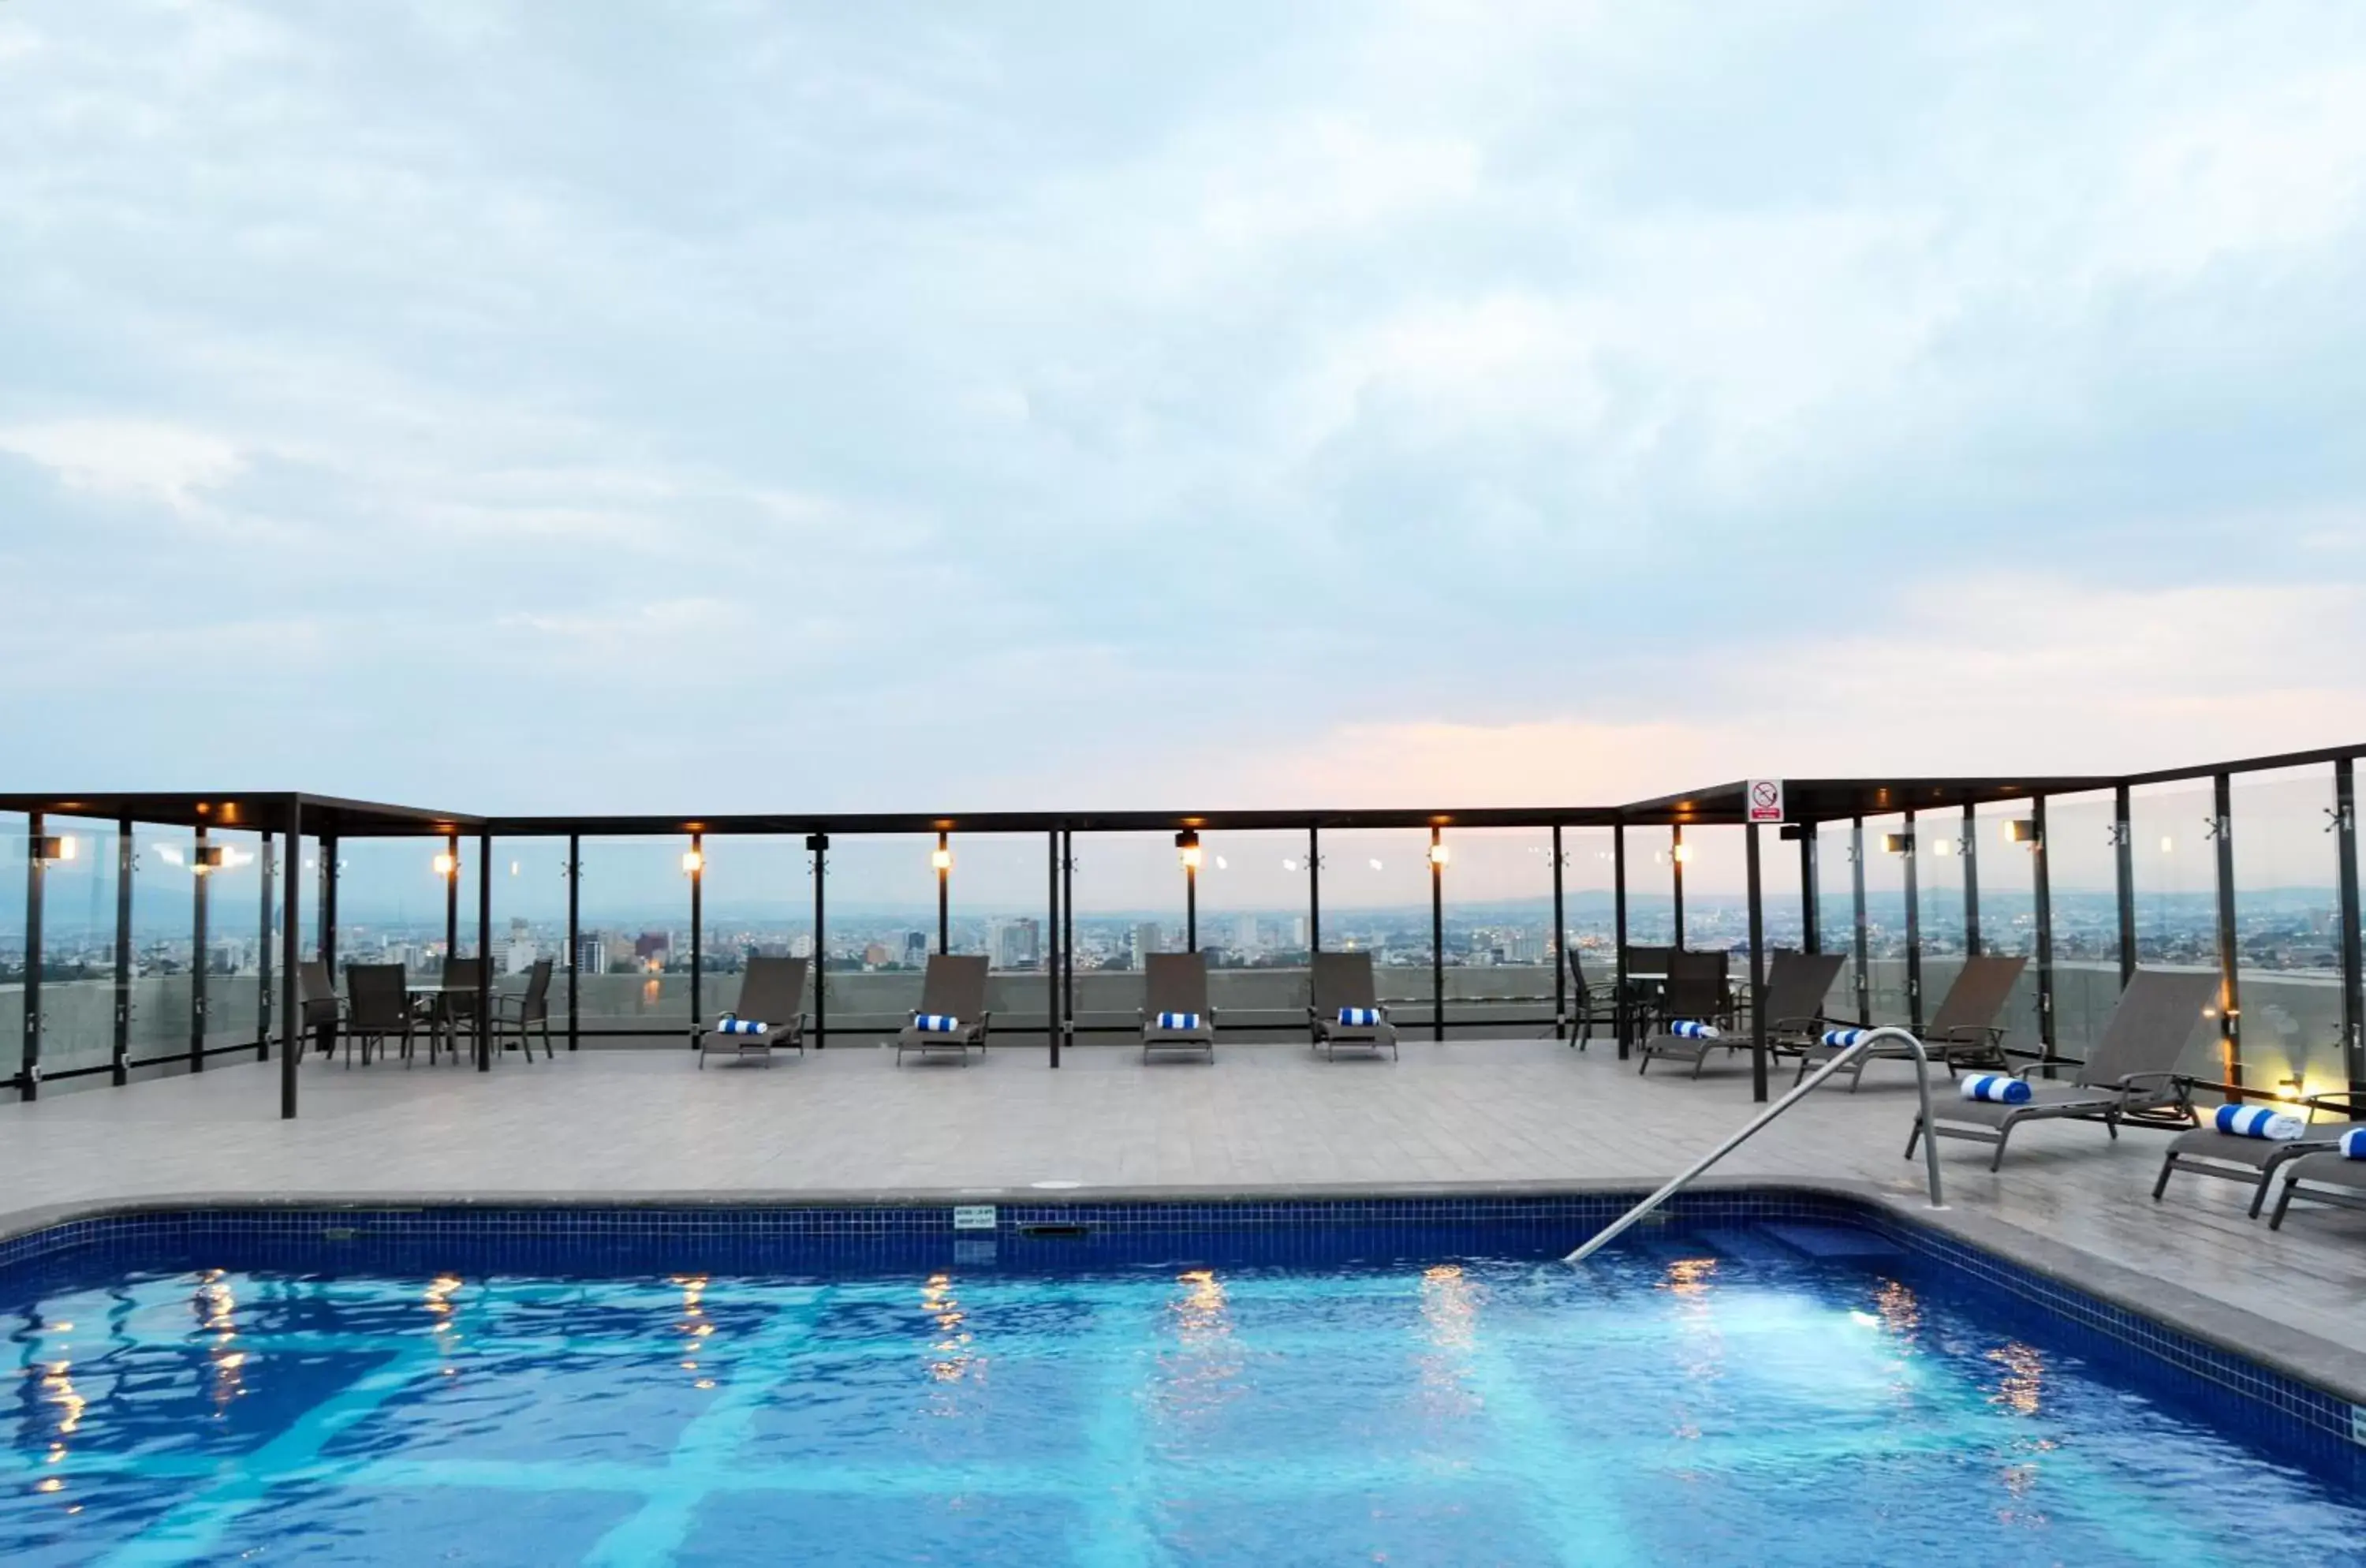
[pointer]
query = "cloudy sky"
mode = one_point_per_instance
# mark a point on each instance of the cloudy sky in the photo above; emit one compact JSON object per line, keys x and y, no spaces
{"x":712,"y":405}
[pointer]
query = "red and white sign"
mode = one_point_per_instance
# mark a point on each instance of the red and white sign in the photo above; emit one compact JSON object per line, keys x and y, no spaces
{"x":1765,"y":798}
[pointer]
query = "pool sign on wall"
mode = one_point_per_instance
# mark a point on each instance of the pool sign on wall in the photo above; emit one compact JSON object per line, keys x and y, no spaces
{"x":1765,"y":796}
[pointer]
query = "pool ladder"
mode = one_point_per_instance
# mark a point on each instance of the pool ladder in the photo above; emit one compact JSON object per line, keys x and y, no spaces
{"x":1863,"y":1042}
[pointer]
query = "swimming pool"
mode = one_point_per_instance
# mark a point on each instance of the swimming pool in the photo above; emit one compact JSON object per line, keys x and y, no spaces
{"x":1403,"y":1384}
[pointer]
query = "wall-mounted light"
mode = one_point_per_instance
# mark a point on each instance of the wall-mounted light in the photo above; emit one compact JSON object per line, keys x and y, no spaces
{"x":1943,"y":847}
{"x":941,"y":858}
{"x":206,"y":858}
{"x":817,"y":842}
{"x":1438,"y":854}
{"x":692,"y":862}
{"x":1898,"y":843}
{"x":52,"y":848}
{"x":1683,"y":853}
{"x":2168,"y":845}
{"x":1187,"y":849}
{"x":2021,"y":831}
{"x":446,"y":864}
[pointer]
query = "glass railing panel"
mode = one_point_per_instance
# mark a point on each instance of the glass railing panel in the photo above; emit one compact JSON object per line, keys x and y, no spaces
{"x":529,"y":924}
{"x":1253,"y":926}
{"x":1650,"y":887}
{"x":1589,"y":900}
{"x":1497,"y":886}
{"x":1376,"y":900}
{"x":635,"y":924}
{"x":2172,"y":831}
{"x":758,"y":898}
{"x":1939,"y":850}
{"x":238,"y":924}
{"x":1836,"y":911}
{"x":77,"y":949}
{"x":391,"y":905}
{"x":1128,"y":904}
{"x":881,"y":926}
{"x":999,"y":905}
{"x":1884,"y":920}
{"x":2007,"y":869}
{"x":2287,"y":928}
{"x":2082,"y":874}
{"x":13,"y":957}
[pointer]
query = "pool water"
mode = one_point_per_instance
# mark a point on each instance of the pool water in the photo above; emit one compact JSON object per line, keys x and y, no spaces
{"x":1775,"y":1395}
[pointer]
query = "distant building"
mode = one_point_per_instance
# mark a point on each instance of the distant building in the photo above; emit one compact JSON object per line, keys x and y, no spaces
{"x":1297,"y":932}
{"x":651,"y":945}
{"x":916,"y":947}
{"x":591,"y":953}
{"x":1147,"y":941}
{"x":1015,"y":943}
{"x":801,"y":946}
{"x":1244,"y":935}
{"x":877,"y":956}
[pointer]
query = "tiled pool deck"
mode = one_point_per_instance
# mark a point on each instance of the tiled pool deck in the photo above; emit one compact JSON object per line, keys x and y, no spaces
{"x":844,"y":1125}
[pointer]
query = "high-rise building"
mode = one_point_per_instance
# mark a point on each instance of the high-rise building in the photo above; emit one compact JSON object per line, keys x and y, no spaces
{"x":876,"y":954}
{"x":1014,"y":944}
{"x":1244,"y":935}
{"x":1147,"y":941}
{"x":591,"y":953}
{"x":801,"y":945}
{"x":916,"y":947}
{"x":1297,"y":934}
{"x":519,"y":953}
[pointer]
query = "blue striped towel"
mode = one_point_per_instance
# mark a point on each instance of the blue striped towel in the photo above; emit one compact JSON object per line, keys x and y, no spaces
{"x":1997,"y":1089}
{"x":1685,"y":1029}
{"x":2353,"y":1142}
{"x":1844,"y":1038}
{"x":1360,"y":1018}
{"x":936,"y":1023}
{"x":1179,"y":1020}
{"x":2258,"y":1122}
{"x":732,"y":1024}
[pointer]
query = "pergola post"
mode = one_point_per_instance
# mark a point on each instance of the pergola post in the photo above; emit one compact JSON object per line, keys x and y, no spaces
{"x":1971,"y":857}
{"x":2353,"y":985}
{"x":120,"y":1070}
{"x":574,"y":939}
{"x":1618,"y":919}
{"x":1559,"y":947}
{"x":484,"y":952}
{"x":2041,"y":878}
{"x":1757,"y":970}
{"x":28,"y":1075}
{"x":291,"y":935}
{"x":1053,"y":951}
{"x":1913,"y":928}
{"x":2230,"y":999}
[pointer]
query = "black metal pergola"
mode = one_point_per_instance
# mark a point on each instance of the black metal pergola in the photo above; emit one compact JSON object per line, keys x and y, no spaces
{"x":289,"y":818}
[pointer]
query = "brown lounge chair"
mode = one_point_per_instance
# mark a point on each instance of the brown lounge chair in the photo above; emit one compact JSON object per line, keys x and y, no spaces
{"x":1796,"y":986}
{"x":379,"y":1012}
{"x":322,"y":1008}
{"x":771,"y":992}
{"x":1340,"y":981}
{"x":2131,"y":1071}
{"x":2206,"y":1151}
{"x":1176,"y":983}
{"x":1963,"y":1032}
{"x":2331,"y":1177}
{"x":953,"y":988}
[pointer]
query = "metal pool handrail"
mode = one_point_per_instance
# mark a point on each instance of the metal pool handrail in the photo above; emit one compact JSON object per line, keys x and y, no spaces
{"x":1863,"y":1042}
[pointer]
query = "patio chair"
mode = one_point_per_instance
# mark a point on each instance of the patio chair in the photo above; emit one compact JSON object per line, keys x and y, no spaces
{"x":321,"y":1010}
{"x":517,"y":1012}
{"x":378,"y":1010}
{"x":2132,"y":1071}
{"x":2321,"y":1176}
{"x":773,"y":993}
{"x":454,"y":1007}
{"x":1796,"y":986}
{"x":1963,"y":1032}
{"x":1175,"y":986}
{"x":1342,"y":983}
{"x":1587,"y":996}
{"x":2206,"y":1151}
{"x":952,"y":988}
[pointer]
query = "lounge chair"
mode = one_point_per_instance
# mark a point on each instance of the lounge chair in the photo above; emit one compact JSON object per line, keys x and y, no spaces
{"x":1342,"y":981}
{"x":1796,"y":986}
{"x":379,"y":1012}
{"x":773,"y":993}
{"x":1963,"y":1032}
{"x":2331,"y":1177}
{"x":953,"y":988}
{"x":2131,"y":1071}
{"x":1177,"y":984}
{"x":2206,"y":1151}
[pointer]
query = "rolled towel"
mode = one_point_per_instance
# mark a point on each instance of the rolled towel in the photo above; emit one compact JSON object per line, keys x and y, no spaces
{"x":2259,"y":1122}
{"x":732,"y":1024}
{"x":1179,"y":1020}
{"x":1997,"y":1089}
{"x":2353,"y":1142}
{"x":1360,"y":1018}
{"x":936,"y":1023}
{"x":1844,"y":1038}
{"x":1685,"y":1029}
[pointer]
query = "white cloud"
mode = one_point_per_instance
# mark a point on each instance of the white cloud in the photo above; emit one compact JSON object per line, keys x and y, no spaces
{"x":128,"y":459}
